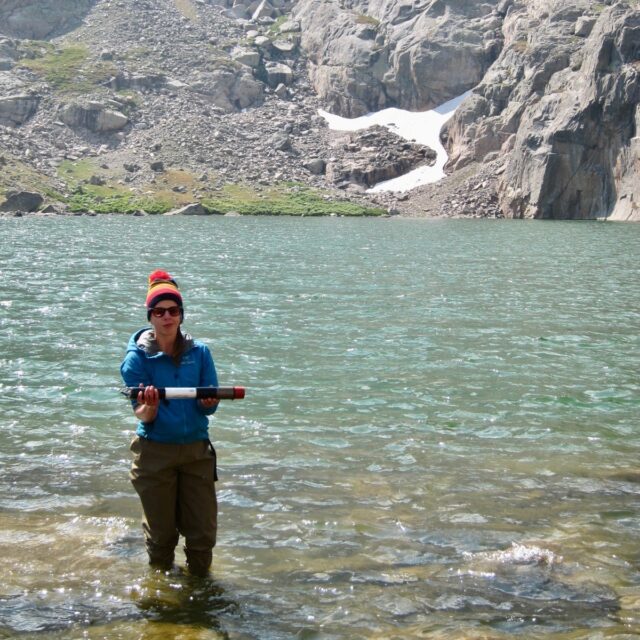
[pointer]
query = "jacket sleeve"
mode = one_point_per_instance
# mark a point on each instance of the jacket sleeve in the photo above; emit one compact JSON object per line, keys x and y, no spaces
{"x":133,"y":371}
{"x":208,"y":376}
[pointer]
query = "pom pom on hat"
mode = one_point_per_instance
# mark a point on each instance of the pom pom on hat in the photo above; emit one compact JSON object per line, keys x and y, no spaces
{"x":162,"y":287}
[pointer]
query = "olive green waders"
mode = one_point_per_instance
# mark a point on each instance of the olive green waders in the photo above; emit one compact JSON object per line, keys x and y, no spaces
{"x":176,"y":484}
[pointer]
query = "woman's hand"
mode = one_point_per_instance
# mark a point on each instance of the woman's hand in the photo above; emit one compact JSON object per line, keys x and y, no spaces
{"x":148,"y":400}
{"x":208,"y":403}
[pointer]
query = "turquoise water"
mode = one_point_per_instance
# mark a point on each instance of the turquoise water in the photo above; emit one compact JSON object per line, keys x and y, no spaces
{"x":440,"y":436}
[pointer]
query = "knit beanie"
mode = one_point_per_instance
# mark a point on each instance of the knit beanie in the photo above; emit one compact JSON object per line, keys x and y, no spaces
{"x":161,"y":287}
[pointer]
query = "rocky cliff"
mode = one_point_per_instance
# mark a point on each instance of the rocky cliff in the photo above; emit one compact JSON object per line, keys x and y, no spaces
{"x":149,"y":104}
{"x":561,"y":104}
{"x":368,"y":55}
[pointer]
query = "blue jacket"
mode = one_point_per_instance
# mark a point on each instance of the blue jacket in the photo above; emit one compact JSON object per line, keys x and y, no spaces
{"x":178,"y":421}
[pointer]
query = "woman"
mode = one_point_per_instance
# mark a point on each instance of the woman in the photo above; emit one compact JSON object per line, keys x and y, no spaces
{"x":174,"y":468}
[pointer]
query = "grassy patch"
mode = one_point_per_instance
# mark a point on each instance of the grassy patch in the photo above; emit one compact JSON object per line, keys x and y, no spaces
{"x":15,"y":175}
{"x":106,"y":198}
{"x":136,"y":54}
{"x":35,"y":48}
{"x":362,"y":18}
{"x":274,"y":29}
{"x":111,"y":197}
{"x":178,"y":178}
{"x":76,"y":171}
{"x":160,"y":197}
{"x":296,"y":200}
{"x":521,"y":45}
{"x":67,"y":69}
{"x":89,"y":199}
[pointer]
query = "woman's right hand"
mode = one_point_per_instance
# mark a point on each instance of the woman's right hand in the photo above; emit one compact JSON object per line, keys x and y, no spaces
{"x":148,"y":400}
{"x":148,"y":395}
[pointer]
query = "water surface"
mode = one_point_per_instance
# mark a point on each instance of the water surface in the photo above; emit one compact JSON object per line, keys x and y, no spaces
{"x":439,"y":440}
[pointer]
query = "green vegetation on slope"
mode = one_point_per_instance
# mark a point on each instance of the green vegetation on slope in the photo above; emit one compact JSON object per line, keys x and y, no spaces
{"x":15,"y":175}
{"x":283,"y":199}
{"x":177,"y":187}
{"x":67,"y":69}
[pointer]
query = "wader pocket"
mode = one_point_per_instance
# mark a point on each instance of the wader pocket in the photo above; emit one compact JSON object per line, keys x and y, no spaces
{"x":215,"y":461}
{"x":134,"y":447}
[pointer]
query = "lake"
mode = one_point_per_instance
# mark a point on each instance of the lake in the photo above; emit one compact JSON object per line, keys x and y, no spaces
{"x":439,"y":440}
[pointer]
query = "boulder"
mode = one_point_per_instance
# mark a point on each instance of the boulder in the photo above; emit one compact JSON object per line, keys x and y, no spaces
{"x":16,"y":109}
{"x":375,"y":155}
{"x":125,"y":80}
{"x":239,"y":11}
{"x":278,"y":73}
{"x":262,"y":9}
{"x":290,"y":26}
{"x":249,"y":57}
{"x":262,"y":42}
{"x":281,"y":91}
{"x":230,"y":89}
{"x":284,"y":47}
{"x":56,"y":208}
{"x":316,"y":166}
{"x":194,"y":209}
{"x":93,"y":116}
{"x":583,"y":26}
{"x":22,"y":201}
{"x":280,"y":142}
{"x":8,"y":54}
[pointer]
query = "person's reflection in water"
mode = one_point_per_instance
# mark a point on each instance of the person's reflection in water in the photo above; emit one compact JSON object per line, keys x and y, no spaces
{"x":169,"y":599}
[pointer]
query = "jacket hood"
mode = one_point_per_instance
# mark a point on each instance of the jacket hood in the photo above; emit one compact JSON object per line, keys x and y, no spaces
{"x":145,"y":340}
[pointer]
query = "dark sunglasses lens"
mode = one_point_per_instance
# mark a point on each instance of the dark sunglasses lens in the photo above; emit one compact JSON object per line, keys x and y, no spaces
{"x":158,"y":312}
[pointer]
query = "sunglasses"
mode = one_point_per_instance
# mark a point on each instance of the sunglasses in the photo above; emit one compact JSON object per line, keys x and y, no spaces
{"x":158,"y":312}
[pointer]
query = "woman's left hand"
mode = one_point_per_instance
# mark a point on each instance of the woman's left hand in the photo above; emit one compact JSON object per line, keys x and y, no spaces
{"x":208,"y":403}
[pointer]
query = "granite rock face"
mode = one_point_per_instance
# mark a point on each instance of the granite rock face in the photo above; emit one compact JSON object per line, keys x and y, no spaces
{"x":563,"y":109}
{"x":368,"y":55}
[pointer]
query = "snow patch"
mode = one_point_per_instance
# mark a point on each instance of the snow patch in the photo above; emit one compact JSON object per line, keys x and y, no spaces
{"x":423,"y":127}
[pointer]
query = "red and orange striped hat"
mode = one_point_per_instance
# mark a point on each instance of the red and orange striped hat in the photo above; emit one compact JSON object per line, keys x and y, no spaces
{"x":162,"y":287}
